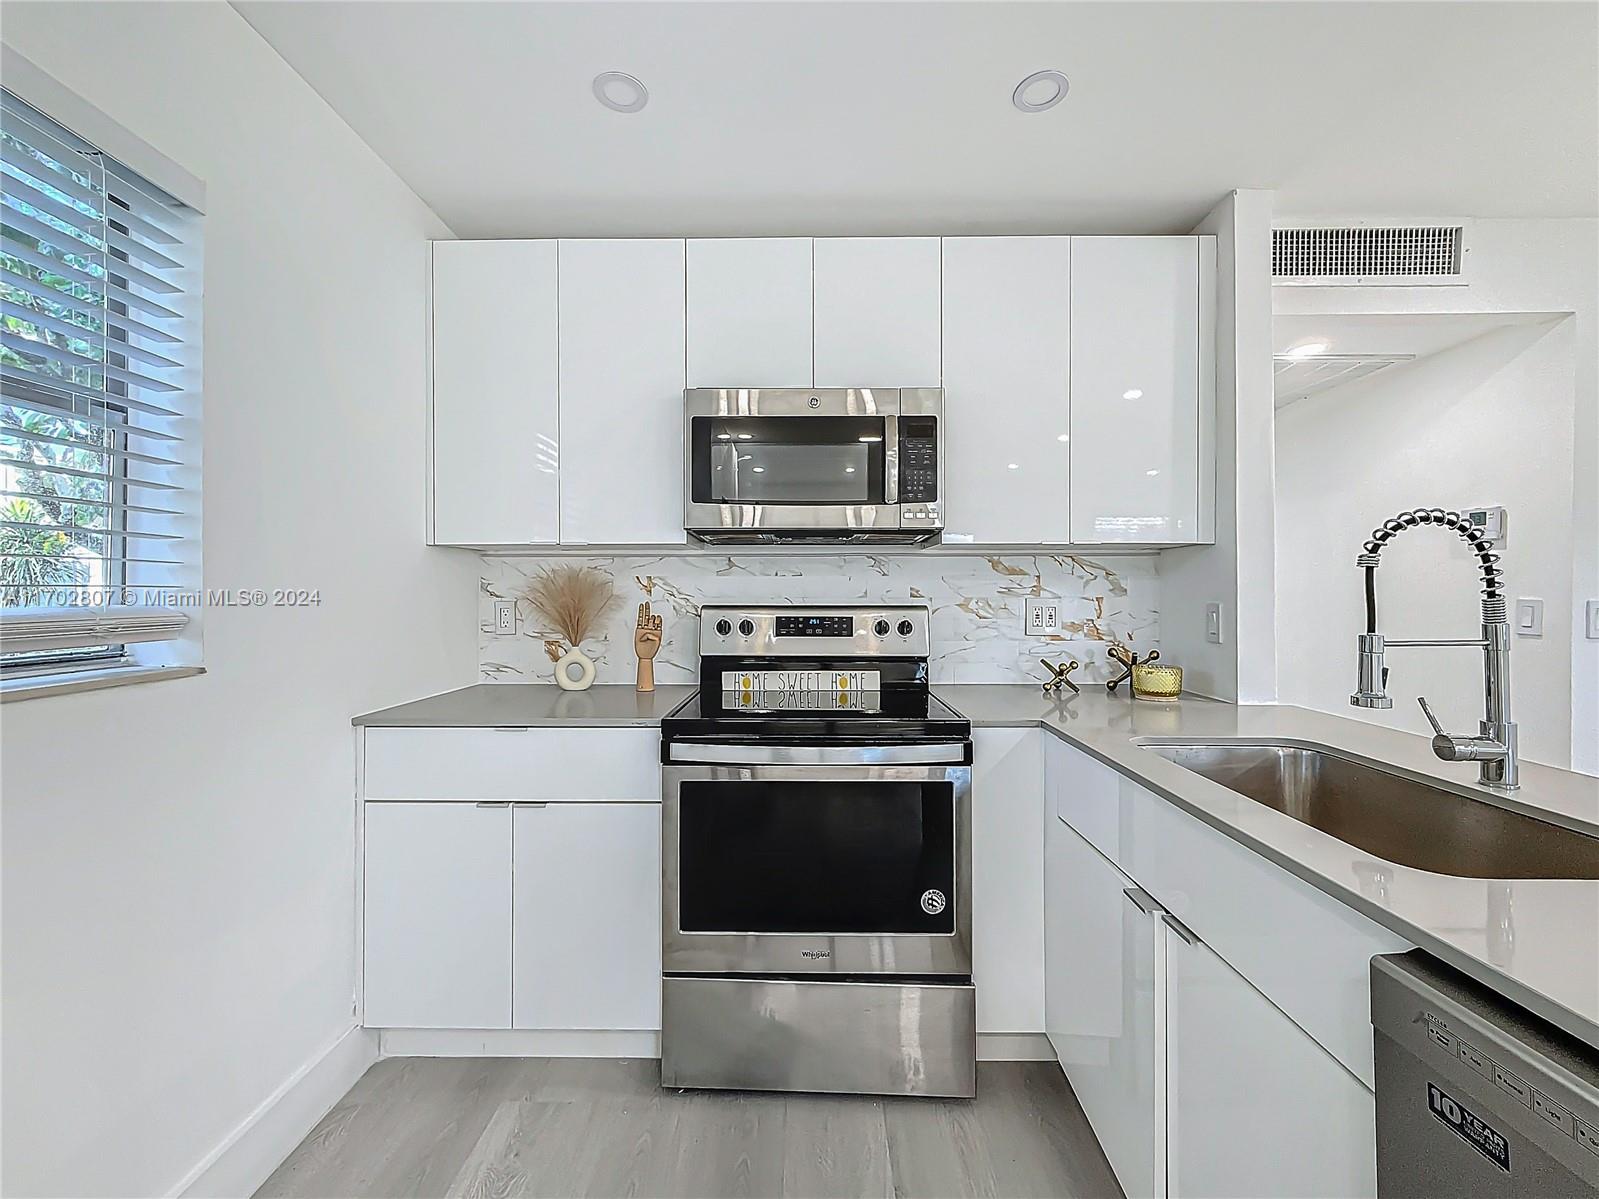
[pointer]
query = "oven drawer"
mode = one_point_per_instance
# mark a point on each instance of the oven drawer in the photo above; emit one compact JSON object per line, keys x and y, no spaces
{"x":891,"y":1037}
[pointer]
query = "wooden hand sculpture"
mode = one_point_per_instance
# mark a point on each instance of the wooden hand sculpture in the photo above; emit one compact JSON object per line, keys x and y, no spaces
{"x":646,"y":644}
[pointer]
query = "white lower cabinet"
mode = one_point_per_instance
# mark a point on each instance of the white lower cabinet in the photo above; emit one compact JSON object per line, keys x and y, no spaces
{"x":437,"y":915}
{"x":1195,"y":1083}
{"x":1104,"y":1014}
{"x":1008,"y":880}
{"x":500,"y":915}
{"x":1255,"y":1106}
{"x":587,"y":916}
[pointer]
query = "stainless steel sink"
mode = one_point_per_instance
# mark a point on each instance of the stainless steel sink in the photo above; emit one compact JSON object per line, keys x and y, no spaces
{"x":1394,"y":817}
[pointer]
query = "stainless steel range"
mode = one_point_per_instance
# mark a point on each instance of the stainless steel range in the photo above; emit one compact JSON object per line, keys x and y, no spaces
{"x":816,"y":860}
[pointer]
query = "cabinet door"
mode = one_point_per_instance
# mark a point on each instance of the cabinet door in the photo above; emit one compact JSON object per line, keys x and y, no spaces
{"x":1008,"y":879}
{"x":622,"y":343}
{"x":1006,"y":350}
{"x":496,"y":417}
{"x":749,"y":312}
{"x":877,"y":322}
{"x":1105,"y":1020}
{"x":1255,"y":1106}
{"x":437,"y":915}
{"x":588,"y":916}
{"x":1135,"y":389}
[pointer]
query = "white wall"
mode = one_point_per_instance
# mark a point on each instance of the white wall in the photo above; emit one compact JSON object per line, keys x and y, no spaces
{"x":1441,"y":440}
{"x":1237,"y":571}
{"x":179,"y":857}
{"x":1517,"y":266}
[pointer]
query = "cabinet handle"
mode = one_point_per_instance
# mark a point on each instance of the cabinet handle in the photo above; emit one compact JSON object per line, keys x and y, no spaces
{"x":531,"y":805}
{"x":1143,"y":901}
{"x":495,"y":803}
{"x":1181,"y":929}
{"x":510,"y":728}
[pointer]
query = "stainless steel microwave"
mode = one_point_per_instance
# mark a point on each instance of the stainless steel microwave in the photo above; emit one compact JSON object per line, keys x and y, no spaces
{"x":821,"y":464}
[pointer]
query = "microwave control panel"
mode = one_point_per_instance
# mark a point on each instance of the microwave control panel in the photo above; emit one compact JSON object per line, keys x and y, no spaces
{"x":918,"y":459}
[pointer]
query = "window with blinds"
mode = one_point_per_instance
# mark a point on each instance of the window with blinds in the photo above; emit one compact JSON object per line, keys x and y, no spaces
{"x":99,"y":461}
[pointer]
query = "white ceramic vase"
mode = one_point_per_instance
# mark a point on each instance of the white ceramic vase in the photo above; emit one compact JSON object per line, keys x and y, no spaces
{"x":574,"y":670}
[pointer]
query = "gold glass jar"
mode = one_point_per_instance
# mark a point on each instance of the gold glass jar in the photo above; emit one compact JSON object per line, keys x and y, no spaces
{"x":1157,"y":681}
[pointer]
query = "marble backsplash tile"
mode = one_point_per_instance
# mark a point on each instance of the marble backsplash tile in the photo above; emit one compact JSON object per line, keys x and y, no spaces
{"x":976,"y":603}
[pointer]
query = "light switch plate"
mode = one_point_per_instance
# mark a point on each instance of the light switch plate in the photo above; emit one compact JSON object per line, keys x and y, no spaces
{"x":1529,"y":618}
{"x":1213,"y":623}
{"x":504,"y":618}
{"x":1592,"y":614}
{"x":1041,"y":616}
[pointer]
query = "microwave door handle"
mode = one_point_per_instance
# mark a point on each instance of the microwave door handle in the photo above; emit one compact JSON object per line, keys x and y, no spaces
{"x":890,"y":459}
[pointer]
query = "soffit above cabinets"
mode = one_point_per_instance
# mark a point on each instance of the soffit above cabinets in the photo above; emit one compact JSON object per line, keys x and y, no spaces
{"x":892,"y":118}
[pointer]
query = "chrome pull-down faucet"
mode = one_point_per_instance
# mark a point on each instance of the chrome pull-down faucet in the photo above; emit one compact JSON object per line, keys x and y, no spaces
{"x":1495,"y":745}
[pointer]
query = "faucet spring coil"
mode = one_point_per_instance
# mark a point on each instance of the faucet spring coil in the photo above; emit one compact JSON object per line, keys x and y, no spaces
{"x":1493,"y":576}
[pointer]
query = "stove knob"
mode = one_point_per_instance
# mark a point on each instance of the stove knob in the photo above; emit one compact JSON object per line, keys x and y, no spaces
{"x":746,"y":628}
{"x":881,"y":628}
{"x":906,"y":628}
{"x":724,"y":627}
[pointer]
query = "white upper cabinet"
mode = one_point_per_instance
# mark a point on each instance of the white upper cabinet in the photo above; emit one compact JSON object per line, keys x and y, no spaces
{"x":1141,"y":388}
{"x":621,"y":392}
{"x":496,"y":412}
{"x":1007,"y":324}
{"x":749,"y":312}
{"x":877,"y":318}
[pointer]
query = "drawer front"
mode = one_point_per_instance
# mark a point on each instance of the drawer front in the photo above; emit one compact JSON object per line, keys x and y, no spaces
{"x":547,"y":765}
{"x":1304,"y":950}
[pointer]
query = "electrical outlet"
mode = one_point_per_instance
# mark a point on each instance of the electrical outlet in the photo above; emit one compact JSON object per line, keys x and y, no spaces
{"x":504,"y":618}
{"x":1041,"y":616}
{"x":1213,"y":623}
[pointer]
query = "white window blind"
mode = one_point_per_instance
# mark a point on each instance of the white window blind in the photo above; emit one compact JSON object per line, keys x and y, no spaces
{"x":99,"y":399}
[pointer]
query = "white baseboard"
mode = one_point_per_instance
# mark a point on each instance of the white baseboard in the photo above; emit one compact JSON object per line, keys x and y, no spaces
{"x":248,"y":1155}
{"x":523,"y":1042}
{"x":516,"y":1042}
{"x":1014,"y":1047}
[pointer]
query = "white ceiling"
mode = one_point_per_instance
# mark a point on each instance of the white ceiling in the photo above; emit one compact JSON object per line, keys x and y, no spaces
{"x":828,"y":117}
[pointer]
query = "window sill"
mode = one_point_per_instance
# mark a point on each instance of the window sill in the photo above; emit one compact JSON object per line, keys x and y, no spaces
{"x":91,"y":680}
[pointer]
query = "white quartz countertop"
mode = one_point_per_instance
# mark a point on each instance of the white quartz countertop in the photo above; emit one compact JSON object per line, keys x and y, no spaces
{"x":531,"y":705}
{"x":1534,"y":940}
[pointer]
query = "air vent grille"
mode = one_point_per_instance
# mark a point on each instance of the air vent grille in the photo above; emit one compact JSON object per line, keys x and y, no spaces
{"x":1393,"y":253}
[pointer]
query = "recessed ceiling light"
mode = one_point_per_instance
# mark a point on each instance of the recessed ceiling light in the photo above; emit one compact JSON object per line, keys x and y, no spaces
{"x":1152,"y":473}
{"x":760,"y":470}
{"x":849,"y":470}
{"x":745,"y":436}
{"x":1063,"y":437}
{"x":1306,"y":349}
{"x":1133,"y":393}
{"x":1040,"y":91}
{"x":620,"y":92}
{"x":1013,"y":466}
{"x":724,"y":437}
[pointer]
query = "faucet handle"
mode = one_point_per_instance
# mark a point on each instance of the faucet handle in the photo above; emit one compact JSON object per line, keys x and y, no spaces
{"x":1431,"y":719}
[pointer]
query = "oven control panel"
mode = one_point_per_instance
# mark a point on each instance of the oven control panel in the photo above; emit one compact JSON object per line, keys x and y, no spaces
{"x":883,"y":631}
{"x":815,"y":626}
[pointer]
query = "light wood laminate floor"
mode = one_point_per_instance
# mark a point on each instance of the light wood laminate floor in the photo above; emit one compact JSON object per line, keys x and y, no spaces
{"x":586,"y":1127}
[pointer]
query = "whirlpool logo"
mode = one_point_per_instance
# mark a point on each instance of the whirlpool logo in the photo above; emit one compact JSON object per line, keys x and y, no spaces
{"x":815,"y":955}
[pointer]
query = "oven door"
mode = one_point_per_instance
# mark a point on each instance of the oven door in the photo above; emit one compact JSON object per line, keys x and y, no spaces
{"x":790,"y":459}
{"x":816,"y":869}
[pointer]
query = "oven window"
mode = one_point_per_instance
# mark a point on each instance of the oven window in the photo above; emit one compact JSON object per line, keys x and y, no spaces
{"x":788,"y":460}
{"x":816,"y":857}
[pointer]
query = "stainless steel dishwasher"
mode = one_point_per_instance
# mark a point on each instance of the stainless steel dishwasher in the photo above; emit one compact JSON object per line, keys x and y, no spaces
{"x":1475,"y":1095}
